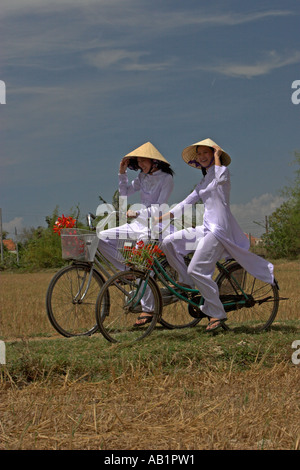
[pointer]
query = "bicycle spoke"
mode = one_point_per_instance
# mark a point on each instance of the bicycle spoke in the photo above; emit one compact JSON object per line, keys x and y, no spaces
{"x":71,"y":300}
{"x":116,"y":319}
{"x":259,"y":309}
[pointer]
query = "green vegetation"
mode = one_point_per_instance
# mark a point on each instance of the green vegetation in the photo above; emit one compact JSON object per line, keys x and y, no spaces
{"x":283,"y":238}
{"x":166,"y":352}
{"x":177,"y":389}
{"x":40,"y":248}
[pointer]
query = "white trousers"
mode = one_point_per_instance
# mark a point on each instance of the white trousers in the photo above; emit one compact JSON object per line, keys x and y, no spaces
{"x":108,"y":243}
{"x":208,"y":250}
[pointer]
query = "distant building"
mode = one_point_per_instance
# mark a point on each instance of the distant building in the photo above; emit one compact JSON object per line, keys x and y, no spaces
{"x":10,"y":245}
{"x":253,"y":240}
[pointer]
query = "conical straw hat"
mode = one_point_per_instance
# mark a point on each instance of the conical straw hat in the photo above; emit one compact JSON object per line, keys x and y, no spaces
{"x":189,"y":154}
{"x":147,"y":150}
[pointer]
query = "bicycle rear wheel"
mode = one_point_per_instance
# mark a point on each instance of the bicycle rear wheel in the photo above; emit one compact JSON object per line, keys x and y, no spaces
{"x":261,"y":307}
{"x":71,"y":300}
{"x":124,"y":290}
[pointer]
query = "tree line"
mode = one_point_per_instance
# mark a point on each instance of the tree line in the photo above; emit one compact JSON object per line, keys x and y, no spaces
{"x":283,"y":237}
{"x":40,"y":248}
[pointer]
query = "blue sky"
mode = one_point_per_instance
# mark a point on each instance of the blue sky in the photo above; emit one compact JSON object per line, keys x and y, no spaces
{"x":89,"y":80}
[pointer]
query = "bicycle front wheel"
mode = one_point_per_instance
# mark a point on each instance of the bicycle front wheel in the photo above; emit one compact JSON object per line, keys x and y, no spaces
{"x":125,"y":290}
{"x":71,"y":300}
{"x":261,"y":306}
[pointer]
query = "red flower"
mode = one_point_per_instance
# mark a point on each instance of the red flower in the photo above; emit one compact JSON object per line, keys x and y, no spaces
{"x":63,"y":222}
{"x":142,"y":254}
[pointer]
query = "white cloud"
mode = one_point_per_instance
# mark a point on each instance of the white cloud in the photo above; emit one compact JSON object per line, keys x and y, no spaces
{"x":272,"y":61}
{"x":139,"y":13}
{"x":226,"y":19}
{"x":109,"y":57}
{"x":251,"y":215}
{"x":10,"y":7}
{"x":42,"y":46}
{"x":16,"y":223}
{"x":125,"y":60}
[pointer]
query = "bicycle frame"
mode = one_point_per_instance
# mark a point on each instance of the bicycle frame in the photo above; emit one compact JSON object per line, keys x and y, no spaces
{"x":99,"y":260}
{"x":165,"y":278}
{"x":178,"y":290}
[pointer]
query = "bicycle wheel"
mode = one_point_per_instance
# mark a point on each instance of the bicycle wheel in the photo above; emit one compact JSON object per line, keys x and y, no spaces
{"x":124,"y":290}
{"x":176,"y":313}
{"x":71,"y":300}
{"x":260,"y":308}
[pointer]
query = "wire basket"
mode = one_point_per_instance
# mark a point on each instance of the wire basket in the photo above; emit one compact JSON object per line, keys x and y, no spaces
{"x":78,"y":244}
{"x":139,"y":253}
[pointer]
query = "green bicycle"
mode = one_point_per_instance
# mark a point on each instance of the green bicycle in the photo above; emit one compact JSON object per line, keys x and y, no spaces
{"x":250,"y":304}
{"x":72,"y":293}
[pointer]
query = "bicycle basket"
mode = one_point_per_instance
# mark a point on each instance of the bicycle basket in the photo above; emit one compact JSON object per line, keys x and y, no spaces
{"x":139,"y":253}
{"x":78,"y":244}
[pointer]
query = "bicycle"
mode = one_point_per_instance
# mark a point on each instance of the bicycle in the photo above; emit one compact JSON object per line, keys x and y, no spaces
{"x":249,"y":302}
{"x":73,"y":291}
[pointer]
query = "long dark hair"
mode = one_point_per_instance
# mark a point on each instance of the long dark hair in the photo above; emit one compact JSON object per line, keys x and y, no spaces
{"x":163,"y":166}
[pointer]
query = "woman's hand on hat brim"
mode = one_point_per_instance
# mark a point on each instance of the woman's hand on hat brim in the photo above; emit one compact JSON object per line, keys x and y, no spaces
{"x":123,"y":165}
{"x":217,"y":154}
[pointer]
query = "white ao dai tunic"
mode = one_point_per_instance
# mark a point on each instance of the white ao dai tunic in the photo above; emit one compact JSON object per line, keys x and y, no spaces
{"x":219,"y":237}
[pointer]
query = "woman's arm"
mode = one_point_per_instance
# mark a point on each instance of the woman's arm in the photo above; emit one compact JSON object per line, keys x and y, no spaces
{"x":221,"y":172}
{"x":177,"y":210}
{"x":166,"y":190}
{"x":218,"y":154}
{"x":123,"y":165}
{"x":126,"y":189}
{"x":167,"y":215}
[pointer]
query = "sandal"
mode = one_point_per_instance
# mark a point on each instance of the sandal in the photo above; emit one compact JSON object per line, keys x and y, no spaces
{"x":215,"y":324}
{"x":146,"y":318}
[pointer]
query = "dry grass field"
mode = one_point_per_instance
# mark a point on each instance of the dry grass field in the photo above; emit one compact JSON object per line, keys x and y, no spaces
{"x":257,"y":409}
{"x":22,"y":301}
{"x":180,"y":390}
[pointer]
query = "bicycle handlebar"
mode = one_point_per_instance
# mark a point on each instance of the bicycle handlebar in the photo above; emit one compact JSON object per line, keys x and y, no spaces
{"x":89,"y":218}
{"x":100,"y":226}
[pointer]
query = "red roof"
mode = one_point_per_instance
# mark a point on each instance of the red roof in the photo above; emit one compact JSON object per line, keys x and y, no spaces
{"x":10,"y":245}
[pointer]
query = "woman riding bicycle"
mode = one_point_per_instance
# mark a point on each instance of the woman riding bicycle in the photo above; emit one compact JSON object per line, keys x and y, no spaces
{"x":219,"y":237}
{"x":155,"y":184}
